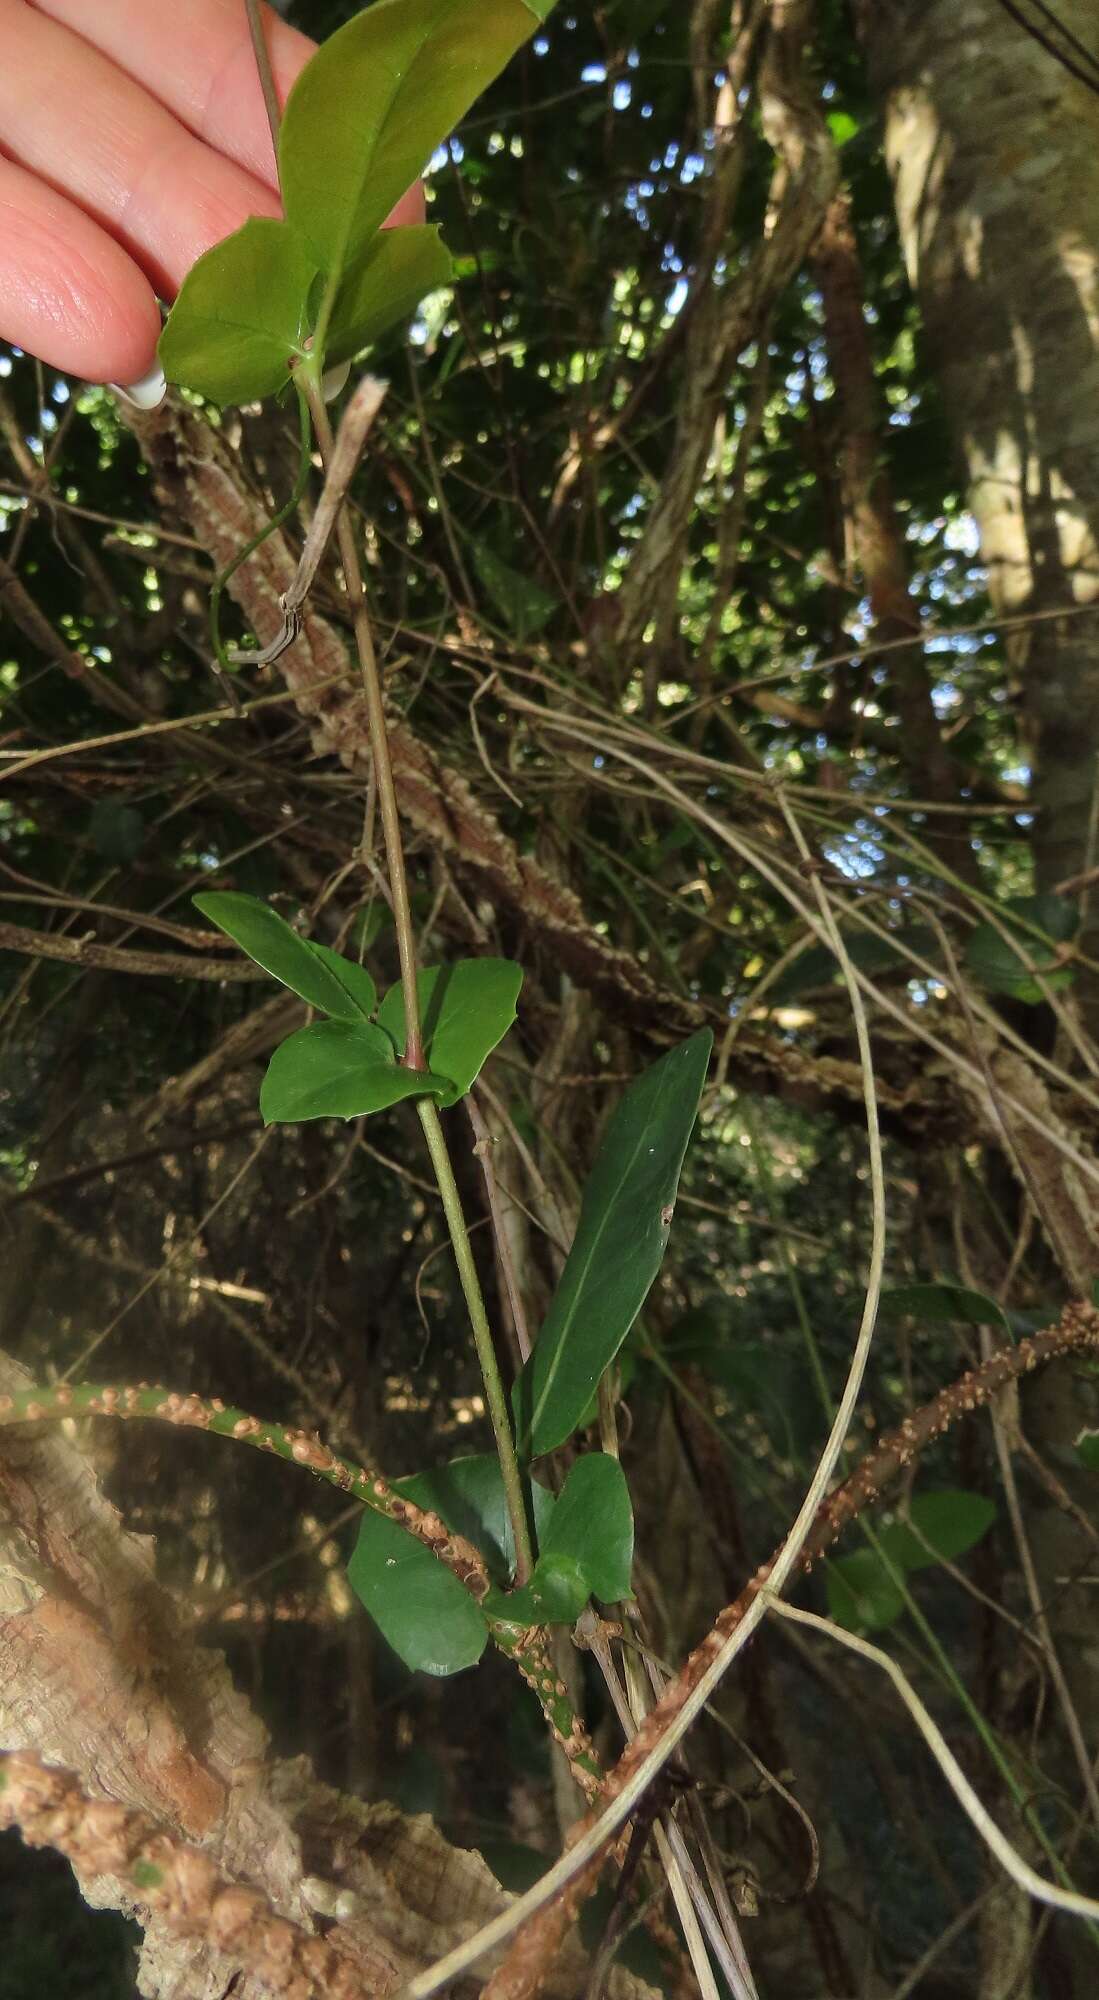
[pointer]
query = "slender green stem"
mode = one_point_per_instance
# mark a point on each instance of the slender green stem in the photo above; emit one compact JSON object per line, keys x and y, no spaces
{"x":486,"y":1353}
{"x":266,"y":75}
{"x":379,"y":737}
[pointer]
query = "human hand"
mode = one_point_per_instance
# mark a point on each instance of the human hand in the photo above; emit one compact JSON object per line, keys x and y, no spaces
{"x":134,"y":137}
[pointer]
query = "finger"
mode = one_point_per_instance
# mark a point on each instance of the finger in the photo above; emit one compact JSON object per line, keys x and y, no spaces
{"x":70,"y":116}
{"x":68,"y":292}
{"x":197,"y":59}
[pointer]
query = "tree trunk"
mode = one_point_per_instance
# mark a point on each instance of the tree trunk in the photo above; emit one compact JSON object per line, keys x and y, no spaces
{"x":993,"y":146}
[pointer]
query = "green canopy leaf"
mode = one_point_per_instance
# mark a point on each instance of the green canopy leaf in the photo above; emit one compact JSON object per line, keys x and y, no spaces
{"x":337,"y":1069}
{"x":313,"y":971}
{"x":942,"y":1526}
{"x":625,"y":1221}
{"x":427,"y":1615}
{"x":373,"y":104}
{"x":465,"y":1009}
{"x":941,"y":1305}
{"x":240,"y":314}
{"x":1040,"y":923}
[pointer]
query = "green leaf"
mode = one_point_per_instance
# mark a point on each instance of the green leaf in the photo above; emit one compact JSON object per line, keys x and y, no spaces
{"x":397,"y":269}
{"x":523,"y":605}
{"x":469,"y":1494}
{"x":999,"y":966}
{"x":312,"y":971}
{"x":949,"y":1522}
{"x":861,"y":1596}
{"x":465,"y":1009}
{"x":240,"y":315}
{"x":941,"y":1305}
{"x":428,"y":1617}
{"x":1087,"y":1450}
{"x":625,"y":1221}
{"x":359,"y":991}
{"x":337,"y":1069}
{"x":592,"y":1526}
{"x":373,"y":104}
{"x":555,"y":1595}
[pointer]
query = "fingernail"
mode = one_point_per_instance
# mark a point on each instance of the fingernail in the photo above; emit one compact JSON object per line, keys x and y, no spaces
{"x":146,"y":393}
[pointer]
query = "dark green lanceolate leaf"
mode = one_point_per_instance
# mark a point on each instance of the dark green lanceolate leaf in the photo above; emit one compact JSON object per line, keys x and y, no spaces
{"x":428,"y":1617}
{"x":1004,"y":968}
{"x":394,"y":273}
{"x":625,"y":1220}
{"x":862,"y":1595}
{"x":315,"y":973}
{"x":465,"y":1009}
{"x":1087,"y":1450}
{"x":469,"y":1494}
{"x":240,"y":315}
{"x":338,"y":1069}
{"x":373,"y":104}
{"x":941,"y":1305}
{"x":523,"y":605}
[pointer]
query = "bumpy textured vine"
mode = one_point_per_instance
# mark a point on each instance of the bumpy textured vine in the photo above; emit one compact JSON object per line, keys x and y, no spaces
{"x":524,"y":1645}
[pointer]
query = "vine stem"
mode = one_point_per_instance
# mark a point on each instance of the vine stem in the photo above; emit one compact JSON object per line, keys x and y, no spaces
{"x":379,"y":736}
{"x":263,"y":65}
{"x":482,"y":1335}
{"x":414,"y":1049}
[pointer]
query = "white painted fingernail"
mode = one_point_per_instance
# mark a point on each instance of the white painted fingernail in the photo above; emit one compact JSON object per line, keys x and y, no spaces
{"x":145,"y":394}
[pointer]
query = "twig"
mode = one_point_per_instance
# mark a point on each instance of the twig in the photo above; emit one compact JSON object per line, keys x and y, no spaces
{"x":1011,"y":1861}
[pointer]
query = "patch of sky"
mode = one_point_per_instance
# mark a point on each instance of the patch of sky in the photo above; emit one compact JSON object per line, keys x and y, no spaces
{"x":693,"y":165}
{"x":622,"y":96}
{"x":944,"y":697}
{"x":1023,"y":819}
{"x":60,"y":392}
{"x":594,"y":72}
{"x":1016,"y":774}
{"x":5,"y":364}
{"x":540,"y":45}
{"x":646,"y":111}
{"x":676,"y":296}
{"x":633,"y":58}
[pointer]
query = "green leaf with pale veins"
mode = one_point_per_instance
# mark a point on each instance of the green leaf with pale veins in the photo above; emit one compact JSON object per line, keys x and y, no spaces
{"x":625,"y":1222}
{"x":372,"y":105}
{"x":240,"y":315}
{"x":393,"y":274}
{"x":314,"y":972}
{"x":465,"y":1010}
{"x":338,"y":1069}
